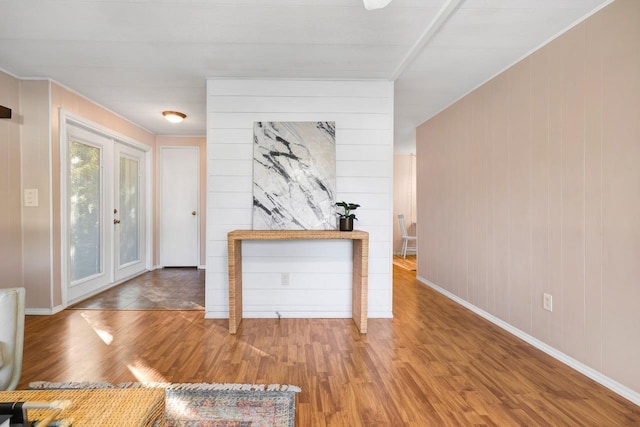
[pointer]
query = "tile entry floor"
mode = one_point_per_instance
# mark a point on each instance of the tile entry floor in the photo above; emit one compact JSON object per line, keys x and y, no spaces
{"x":161,"y":289}
{"x":169,"y":289}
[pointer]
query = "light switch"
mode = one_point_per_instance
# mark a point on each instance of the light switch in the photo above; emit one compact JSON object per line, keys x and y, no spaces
{"x":31,"y":197}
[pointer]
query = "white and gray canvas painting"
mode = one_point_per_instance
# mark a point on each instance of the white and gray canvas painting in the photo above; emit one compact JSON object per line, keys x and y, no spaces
{"x":294,"y":175}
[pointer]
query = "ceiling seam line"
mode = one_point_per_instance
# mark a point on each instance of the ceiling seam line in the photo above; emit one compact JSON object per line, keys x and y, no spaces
{"x":434,"y":26}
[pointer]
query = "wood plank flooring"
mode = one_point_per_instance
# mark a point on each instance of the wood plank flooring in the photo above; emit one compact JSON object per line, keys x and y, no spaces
{"x":408,"y":263}
{"x":435,"y":363}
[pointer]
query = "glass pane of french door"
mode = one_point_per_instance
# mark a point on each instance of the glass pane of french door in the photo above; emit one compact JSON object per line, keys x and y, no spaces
{"x":129,"y":201}
{"x":85,"y":211}
{"x":129,"y":211}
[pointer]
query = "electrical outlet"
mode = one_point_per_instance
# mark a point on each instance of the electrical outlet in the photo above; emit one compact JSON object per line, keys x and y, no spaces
{"x":284,"y":279}
{"x":547,"y":302}
{"x":31,"y":197}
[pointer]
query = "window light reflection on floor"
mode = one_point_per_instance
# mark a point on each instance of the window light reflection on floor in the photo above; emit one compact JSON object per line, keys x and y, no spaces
{"x":145,"y":374}
{"x":100,"y":330}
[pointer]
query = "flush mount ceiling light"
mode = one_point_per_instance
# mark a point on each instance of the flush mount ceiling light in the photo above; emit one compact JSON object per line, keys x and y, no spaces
{"x":375,"y":4}
{"x":174,"y":116}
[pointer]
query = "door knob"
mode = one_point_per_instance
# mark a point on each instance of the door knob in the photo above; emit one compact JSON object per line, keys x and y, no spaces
{"x":116,"y":221}
{"x":193,"y":213}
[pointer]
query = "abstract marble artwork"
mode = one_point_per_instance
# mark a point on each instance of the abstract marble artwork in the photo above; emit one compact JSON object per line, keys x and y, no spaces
{"x":294,"y":175}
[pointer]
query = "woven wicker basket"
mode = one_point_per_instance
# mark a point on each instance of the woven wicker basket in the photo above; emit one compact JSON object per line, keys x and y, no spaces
{"x":99,"y":407}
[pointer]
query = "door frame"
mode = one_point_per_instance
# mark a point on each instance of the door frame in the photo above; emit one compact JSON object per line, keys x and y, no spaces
{"x":67,"y":118}
{"x":161,"y":153}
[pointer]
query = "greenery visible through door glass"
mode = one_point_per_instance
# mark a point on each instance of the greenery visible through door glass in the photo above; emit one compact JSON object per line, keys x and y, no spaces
{"x":129,"y":217}
{"x":85,"y":207}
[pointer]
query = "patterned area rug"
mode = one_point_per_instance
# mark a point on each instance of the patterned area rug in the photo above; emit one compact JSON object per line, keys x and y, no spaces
{"x":213,"y":405}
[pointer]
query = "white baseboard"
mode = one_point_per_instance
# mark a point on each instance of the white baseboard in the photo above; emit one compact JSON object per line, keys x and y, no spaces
{"x":588,"y":371}
{"x":296,"y":315}
{"x":43,"y":311}
{"x":202,"y":267}
{"x":409,"y":252}
{"x":38,"y":311}
{"x":58,"y":309}
{"x":216,"y":315}
{"x":380,"y":315}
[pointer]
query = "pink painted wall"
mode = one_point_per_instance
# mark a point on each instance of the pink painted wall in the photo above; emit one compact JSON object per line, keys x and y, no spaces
{"x":35,"y":129}
{"x":531,"y":184}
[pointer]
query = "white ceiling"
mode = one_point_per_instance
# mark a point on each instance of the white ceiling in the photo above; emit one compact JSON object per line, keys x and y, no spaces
{"x":140,"y":57}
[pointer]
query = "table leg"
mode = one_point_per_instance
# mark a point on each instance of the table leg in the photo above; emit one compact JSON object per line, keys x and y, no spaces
{"x":235,"y":284}
{"x":360,"y":285}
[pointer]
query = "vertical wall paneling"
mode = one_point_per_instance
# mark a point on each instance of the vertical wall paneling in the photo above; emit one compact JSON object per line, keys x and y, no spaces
{"x":519,"y":195}
{"x":36,"y":173}
{"x":572,"y":164}
{"x":319,"y":273}
{"x":477,"y":214}
{"x":593,"y":190}
{"x":10,"y":188}
{"x":490,"y":196}
{"x":621,"y":190}
{"x":554,"y":197}
{"x":561,"y":152}
{"x":540,"y":191}
{"x":501,"y":198}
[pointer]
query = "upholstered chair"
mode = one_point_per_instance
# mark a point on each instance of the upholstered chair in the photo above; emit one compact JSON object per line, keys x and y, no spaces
{"x":11,"y":336}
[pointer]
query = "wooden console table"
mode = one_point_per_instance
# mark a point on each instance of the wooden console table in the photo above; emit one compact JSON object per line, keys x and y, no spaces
{"x":360,"y":281}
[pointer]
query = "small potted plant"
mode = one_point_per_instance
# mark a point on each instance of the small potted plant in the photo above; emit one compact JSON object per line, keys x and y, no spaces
{"x":346,"y":217}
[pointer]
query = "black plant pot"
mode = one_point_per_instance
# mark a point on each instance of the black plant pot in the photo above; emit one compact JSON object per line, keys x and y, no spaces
{"x":346,"y":224}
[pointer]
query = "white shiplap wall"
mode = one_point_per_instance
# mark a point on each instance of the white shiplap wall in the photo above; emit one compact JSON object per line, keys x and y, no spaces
{"x":319,"y":271}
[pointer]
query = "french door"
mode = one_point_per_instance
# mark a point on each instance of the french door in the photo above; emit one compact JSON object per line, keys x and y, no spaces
{"x":105,"y":212}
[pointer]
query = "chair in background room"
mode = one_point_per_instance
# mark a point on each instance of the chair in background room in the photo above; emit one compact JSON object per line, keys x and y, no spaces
{"x":406,"y":238}
{"x":11,"y":336}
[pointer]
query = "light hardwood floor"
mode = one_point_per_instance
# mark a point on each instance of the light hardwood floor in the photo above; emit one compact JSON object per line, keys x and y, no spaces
{"x":435,"y":363}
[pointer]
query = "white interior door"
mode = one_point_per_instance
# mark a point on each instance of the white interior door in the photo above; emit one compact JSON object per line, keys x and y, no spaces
{"x":179,"y":210}
{"x":129,"y":212}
